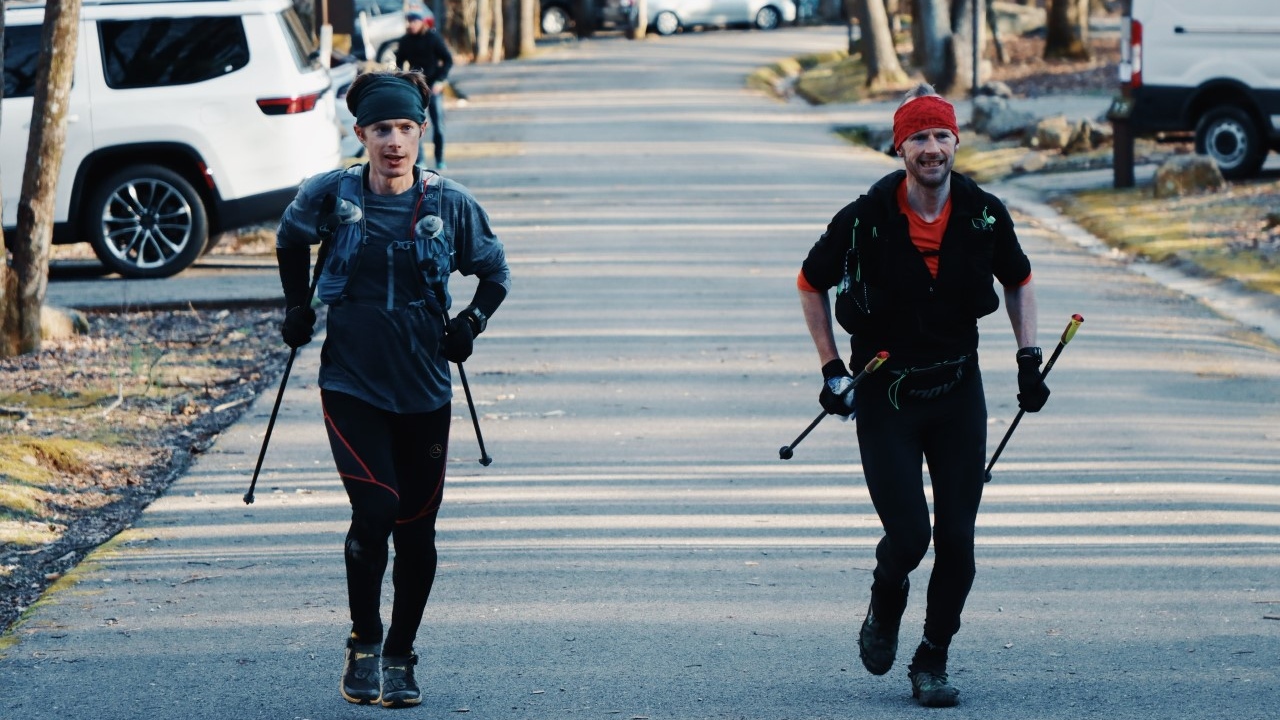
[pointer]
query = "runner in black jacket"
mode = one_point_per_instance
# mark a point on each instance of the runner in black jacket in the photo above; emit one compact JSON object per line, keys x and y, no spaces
{"x":424,"y":50}
{"x":913,"y":262}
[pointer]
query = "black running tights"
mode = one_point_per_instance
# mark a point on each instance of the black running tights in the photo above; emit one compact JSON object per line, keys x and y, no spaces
{"x":950,"y":434}
{"x":392,"y":466}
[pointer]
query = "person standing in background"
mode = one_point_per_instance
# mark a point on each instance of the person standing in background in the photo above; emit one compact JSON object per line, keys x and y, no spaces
{"x":424,"y":50}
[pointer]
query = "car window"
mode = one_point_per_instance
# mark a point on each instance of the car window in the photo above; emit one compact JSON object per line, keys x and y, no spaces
{"x":301,"y":45}
{"x":21,"y":58}
{"x":171,"y":51}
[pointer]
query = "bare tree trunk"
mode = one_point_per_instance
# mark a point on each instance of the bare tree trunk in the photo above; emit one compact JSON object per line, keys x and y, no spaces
{"x":511,"y":21}
{"x":884,"y":72}
{"x":459,"y":26}
{"x":527,"y":27}
{"x":993,"y":24}
{"x":642,"y":21}
{"x":962,"y":41}
{"x":1067,"y":34}
{"x":44,"y":159}
{"x":484,"y":29}
{"x":499,"y":26}
{"x":8,"y":283}
{"x":934,"y":19}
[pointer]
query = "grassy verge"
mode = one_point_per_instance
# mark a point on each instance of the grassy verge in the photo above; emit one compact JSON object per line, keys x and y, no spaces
{"x":1231,"y":234}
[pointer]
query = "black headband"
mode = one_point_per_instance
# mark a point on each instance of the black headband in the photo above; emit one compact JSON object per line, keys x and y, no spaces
{"x":389,"y":98}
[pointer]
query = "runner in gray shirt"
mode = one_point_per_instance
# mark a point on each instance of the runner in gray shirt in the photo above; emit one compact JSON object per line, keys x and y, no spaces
{"x":396,"y":233}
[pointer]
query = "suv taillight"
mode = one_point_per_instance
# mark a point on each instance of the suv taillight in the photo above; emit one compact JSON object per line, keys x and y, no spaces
{"x":289,"y":105}
{"x":1131,"y":52}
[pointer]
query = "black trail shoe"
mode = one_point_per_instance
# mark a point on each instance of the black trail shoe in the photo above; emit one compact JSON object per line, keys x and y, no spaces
{"x":878,"y":642}
{"x":931,"y":689}
{"x":361,"y":681}
{"x":878,"y":638}
{"x":399,"y":689}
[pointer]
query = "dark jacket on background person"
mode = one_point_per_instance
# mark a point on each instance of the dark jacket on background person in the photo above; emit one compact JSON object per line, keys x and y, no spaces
{"x":426,"y":52}
{"x":886,"y":298}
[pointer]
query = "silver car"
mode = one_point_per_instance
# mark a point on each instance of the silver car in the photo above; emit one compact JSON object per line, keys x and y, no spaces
{"x":668,"y":16}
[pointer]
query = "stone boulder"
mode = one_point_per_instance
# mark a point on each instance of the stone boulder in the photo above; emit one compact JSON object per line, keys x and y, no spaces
{"x":994,"y":117}
{"x":61,"y":323}
{"x":1087,"y":136}
{"x":1188,"y":175}
{"x":1031,"y":162}
{"x":1051,"y":133}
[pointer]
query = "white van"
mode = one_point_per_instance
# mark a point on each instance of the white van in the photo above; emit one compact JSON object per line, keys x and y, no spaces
{"x":185,"y":119}
{"x":1208,"y":67}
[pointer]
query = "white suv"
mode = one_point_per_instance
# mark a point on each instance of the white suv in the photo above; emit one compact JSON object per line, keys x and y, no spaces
{"x":186,"y":119}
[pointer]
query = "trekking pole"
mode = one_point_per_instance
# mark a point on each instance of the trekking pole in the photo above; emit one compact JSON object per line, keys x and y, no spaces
{"x":328,"y":224}
{"x":1067,"y":334}
{"x":475,"y":421}
{"x":432,"y":226}
{"x":786,"y":451}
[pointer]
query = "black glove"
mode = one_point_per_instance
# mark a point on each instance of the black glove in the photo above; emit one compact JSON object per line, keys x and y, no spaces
{"x":837,"y":389}
{"x":459,"y":339}
{"x":299,"y":323}
{"x":1032,"y":392}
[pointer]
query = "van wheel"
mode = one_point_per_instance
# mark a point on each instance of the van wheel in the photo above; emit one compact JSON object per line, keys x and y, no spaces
{"x":1229,"y":136}
{"x":146,"y":221}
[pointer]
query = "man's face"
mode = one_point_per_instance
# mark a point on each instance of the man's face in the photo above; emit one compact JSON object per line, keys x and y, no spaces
{"x":392,"y":145}
{"x":416,"y":26}
{"x":929,"y":155}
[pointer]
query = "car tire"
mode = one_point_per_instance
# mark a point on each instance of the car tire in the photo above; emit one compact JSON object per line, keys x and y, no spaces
{"x":146,"y":221}
{"x":768,"y":18}
{"x":555,"y":20}
{"x":666,"y":23}
{"x":1231,"y":137}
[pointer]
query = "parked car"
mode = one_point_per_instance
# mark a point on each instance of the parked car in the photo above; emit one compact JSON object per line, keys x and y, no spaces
{"x":379,"y":26}
{"x":668,"y":16}
{"x":185,"y":120}
{"x":561,"y":16}
{"x":344,"y":69}
{"x":1207,"y":68}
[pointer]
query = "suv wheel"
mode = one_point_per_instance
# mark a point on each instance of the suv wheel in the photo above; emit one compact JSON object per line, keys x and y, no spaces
{"x":768,"y":18}
{"x":146,"y":221}
{"x":1230,"y":136}
{"x":666,"y":23}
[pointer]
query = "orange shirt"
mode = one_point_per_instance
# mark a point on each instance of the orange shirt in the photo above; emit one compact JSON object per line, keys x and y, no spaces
{"x":926,"y":236}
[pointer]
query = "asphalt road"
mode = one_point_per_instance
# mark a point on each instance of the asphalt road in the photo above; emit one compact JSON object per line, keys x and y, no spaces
{"x":637,"y":549}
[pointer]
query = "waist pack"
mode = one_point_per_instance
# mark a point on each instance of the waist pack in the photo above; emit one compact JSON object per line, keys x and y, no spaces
{"x":928,"y":382}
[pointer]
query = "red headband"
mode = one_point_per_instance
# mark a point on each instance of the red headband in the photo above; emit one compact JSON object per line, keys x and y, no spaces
{"x":923,"y":113}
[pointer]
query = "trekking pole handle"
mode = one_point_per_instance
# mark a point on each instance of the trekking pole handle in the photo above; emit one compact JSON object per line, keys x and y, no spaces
{"x":1072,"y":326}
{"x":786,"y":452}
{"x":872,"y":365}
